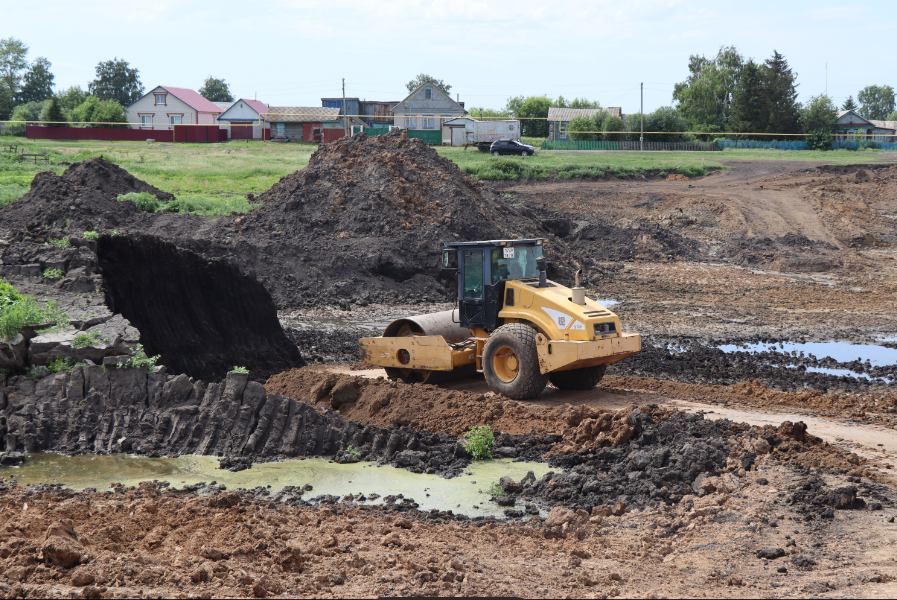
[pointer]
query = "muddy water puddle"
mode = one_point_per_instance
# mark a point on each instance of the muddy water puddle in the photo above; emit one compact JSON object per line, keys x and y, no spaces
{"x":462,"y":495}
{"x":842,"y":352}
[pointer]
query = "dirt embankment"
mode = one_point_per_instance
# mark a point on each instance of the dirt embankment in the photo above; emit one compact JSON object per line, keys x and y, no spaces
{"x":203,"y":316}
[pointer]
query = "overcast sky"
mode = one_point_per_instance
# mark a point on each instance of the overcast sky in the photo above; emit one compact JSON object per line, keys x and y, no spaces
{"x":293,"y":52}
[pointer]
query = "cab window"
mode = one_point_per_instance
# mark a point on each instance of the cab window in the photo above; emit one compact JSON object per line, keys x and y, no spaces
{"x":473,"y":274}
{"x":514,"y":262}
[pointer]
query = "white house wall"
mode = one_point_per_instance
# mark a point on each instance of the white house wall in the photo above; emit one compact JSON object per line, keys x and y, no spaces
{"x":147,"y":106}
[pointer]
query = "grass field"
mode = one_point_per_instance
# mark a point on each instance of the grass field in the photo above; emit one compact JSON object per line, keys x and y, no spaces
{"x":215,"y":179}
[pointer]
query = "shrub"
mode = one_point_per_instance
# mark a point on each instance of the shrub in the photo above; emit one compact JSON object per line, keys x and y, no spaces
{"x":91,"y":235}
{"x":61,"y":364}
{"x":239,"y":370}
{"x":53,"y":273}
{"x":479,"y":441}
{"x":506,"y":165}
{"x":821,"y":139}
{"x":18,"y":310}
{"x":144,"y":201}
{"x":582,"y":123}
{"x":139,"y":360}
{"x":83,"y":340}
{"x":61,"y":243}
{"x":353,"y":451}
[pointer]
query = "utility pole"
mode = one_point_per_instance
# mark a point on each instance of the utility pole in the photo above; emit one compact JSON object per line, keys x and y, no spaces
{"x":641,"y":118}
{"x":346,"y":122}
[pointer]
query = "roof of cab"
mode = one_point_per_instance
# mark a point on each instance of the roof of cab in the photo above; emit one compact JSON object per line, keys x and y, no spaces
{"x":526,"y":242}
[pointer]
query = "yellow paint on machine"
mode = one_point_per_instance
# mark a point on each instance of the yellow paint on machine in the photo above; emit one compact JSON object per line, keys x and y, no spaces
{"x":564,"y":355}
{"x":430,"y":353}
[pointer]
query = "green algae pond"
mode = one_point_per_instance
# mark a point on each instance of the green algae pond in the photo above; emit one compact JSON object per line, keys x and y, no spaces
{"x":466,"y":494}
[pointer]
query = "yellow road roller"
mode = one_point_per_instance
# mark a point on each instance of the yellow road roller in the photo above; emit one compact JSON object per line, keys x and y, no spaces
{"x":513,"y":324}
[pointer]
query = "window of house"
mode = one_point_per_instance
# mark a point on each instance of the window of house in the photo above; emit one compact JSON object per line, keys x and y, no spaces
{"x":429,"y":122}
{"x":562,"y":128}
{"x":410,"y":122}
{"x":146,"y":120}
{"x":428,"y":93}
{"x":280,"y":128}
{"x":174,"y":119}
{"x":160,"y":99}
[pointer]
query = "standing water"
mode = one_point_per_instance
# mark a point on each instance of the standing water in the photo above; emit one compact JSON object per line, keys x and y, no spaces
{"x":466,"y":494}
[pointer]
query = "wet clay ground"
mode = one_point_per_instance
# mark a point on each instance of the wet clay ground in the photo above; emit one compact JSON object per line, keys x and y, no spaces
{"x":754,"y":540}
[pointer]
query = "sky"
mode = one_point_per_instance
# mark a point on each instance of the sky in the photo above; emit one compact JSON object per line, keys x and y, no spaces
{"x":294,"y":52}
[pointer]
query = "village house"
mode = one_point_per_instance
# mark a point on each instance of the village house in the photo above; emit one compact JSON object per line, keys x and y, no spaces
{"x":165,"y":106}
{"x":371,"y":112}
{"x":559,"y":118}
{"x":244,"y":120}
{"x":426,"y":108}
{"x":309,"y":123}
{"x":851,"y":126}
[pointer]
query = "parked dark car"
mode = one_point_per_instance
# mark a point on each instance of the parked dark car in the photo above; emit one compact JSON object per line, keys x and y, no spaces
{"x":511,"y":147}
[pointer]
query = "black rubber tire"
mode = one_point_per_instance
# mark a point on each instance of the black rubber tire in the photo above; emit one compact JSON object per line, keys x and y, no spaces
{"x":530,"y":381}
{"x":578,"y":379}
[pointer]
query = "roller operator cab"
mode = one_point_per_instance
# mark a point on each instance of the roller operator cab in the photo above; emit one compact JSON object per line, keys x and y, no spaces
{"x":513,"y":324}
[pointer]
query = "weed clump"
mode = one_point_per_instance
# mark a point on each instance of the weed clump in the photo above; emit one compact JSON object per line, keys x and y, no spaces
{"x":83,"y":340}
{"x":139,"y":360}
{"x":60,"y":243}
{"x":18,"y":311}
{"x":239,"y":370}
{"x":91,"y":235}
{"x":144,"y":201}
{"x":53,"y":273}
{"x":479,"y":441}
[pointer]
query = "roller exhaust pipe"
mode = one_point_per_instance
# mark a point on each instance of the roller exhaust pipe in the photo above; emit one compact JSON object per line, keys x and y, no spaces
{"x":579,"y":294}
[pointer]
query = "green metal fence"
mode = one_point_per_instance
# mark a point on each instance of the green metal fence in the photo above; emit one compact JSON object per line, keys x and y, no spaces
{"x":377,"y":130}
{"x":431,"y":138}
{"x":629,"y":145}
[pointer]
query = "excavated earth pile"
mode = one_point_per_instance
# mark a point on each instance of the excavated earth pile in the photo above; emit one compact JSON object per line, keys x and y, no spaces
{"x":367,"y":217}
{"x":82,"y":198}
{"x":202,"y":316}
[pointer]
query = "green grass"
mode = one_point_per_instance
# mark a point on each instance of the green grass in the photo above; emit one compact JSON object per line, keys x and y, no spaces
{"x":19,"y":310}
{"x":210,"y":179}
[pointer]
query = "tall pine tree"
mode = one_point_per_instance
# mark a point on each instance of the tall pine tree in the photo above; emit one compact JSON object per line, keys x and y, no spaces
{"x":780,"y":90}
{"x":849,"y":104}
{"x":749,"y":101}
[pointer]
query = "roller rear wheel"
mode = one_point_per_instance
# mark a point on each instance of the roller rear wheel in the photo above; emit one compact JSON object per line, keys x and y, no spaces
{"x":578,"y":379}
{"x":511,"y":363}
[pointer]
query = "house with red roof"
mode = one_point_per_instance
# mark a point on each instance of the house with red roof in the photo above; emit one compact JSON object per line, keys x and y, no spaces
{"x":165,"y":106}
{"x":245,"y":120}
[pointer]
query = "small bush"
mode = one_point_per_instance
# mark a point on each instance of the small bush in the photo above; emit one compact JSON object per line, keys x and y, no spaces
{"x":61,"y":364}
{"x":239,"y":370}
{"x":494,"y":490}
{"x":506,"y":165}
{"x":139,"y":360}
{"x":61,"y":243}
{"x":821,"y":139}
{"x":115,"y":232}
{"x":353,"y":451}
{"x":53,"y":273}
{"x":91,"y":235}
{"x":144,"y":201}
{"x":18,"y":311}
{"x":691,"y":170}
{"x":83,"y":340}
{"x":479,"y":441}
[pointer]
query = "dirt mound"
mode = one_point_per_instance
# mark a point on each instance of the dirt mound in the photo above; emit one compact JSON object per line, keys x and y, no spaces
{"x":202,"y":316}
{"x":83,"y":197}
{"x":367,"y":215}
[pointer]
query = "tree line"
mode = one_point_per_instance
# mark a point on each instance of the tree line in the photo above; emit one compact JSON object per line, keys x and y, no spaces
{"x":722,"y":95}
{"x":26,"y":91}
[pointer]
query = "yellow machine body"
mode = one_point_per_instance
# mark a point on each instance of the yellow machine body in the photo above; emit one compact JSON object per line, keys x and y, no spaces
{"x":567,"y":334}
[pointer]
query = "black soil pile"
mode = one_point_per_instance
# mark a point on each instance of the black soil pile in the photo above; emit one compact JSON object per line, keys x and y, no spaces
{"x":366,"y":219}
{"x":203,"y":316}
{"x":83,"y":197}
